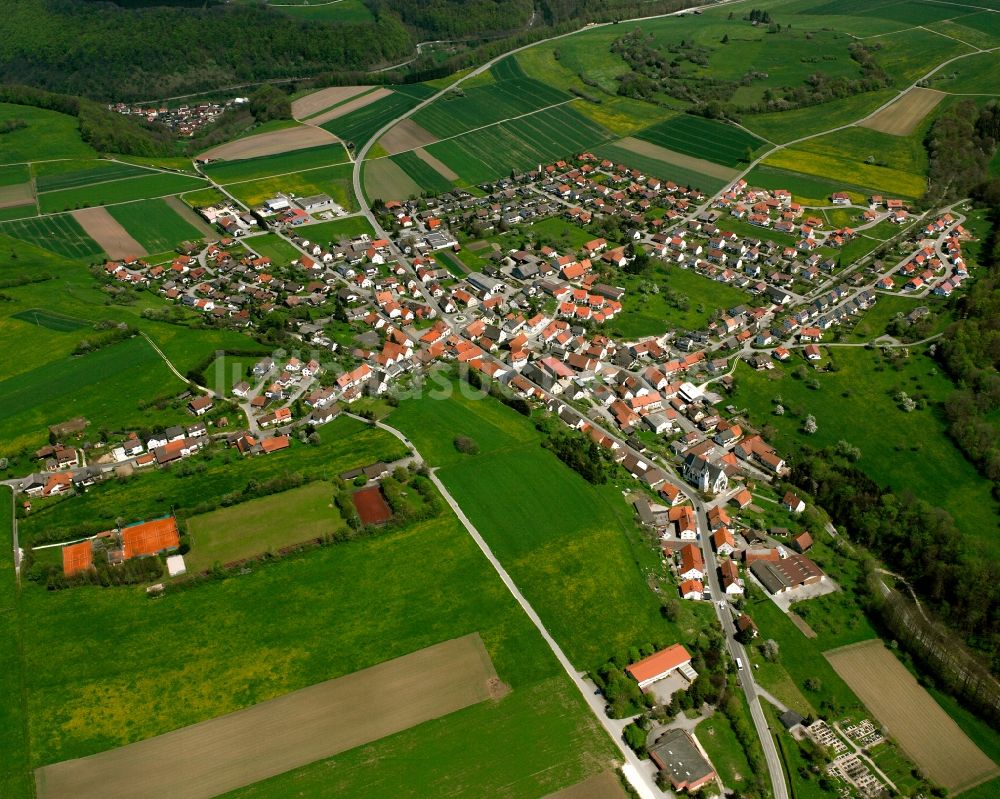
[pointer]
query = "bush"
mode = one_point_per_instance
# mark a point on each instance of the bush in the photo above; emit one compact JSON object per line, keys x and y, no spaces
{"x":466,"y":446}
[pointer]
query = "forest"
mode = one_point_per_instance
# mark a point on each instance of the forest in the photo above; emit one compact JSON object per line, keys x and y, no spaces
{"x":106,"y":52}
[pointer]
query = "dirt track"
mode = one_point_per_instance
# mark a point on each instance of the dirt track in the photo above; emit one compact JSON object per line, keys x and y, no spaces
{"x":407,"y":135}
{"x":278,"y":141}
{"x":601,"y":786}
{"x":319,"y":101}
{"x":923,"y":730}
{"x":350,"y":105}
{"x":902,"y":117}
{"x":220,"y":755}
{"x":679,"y":159}
{"x":105,"y":230}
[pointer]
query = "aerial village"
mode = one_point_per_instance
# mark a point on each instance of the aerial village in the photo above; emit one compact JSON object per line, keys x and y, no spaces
{"x":533,"y":319}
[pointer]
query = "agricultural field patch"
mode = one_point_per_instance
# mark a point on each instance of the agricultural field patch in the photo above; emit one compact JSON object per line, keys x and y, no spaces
{"x":704,"y":139}
{"x":404,"y":136}
{"x":687,"y":163}
{"x":278,"y":164}
{"x":489,"y":153}
{"x":315,"y":102}
{"x":18,"y":212}
{"x":285,"y":140}
{"x":334,"y":181}
{"x":13,"y":174}
{"x":273,"y":246}
{"x":923,"y":730}
{"x":909,"y":57}
{"x":154,"y":224}
{"x":905,"y":115}
{"x":384,"y":179}
{"x":463,"y":109}
{"x":117,"y":191}
{"x":61,"y":234}
{"x":103,"y":228}
{"x":654,"y":167}
{"x":783,"y":126}
{"x":423,"y":174}
{"x":58,"y":175}
{"x":47,"y":134}
{"x":357,"y":125}
{"x":977,"y":74}
{"x":49,"y":320}
{"x":105,"y":386}
{"x":290,"y":731}
{"x":17,"y":195}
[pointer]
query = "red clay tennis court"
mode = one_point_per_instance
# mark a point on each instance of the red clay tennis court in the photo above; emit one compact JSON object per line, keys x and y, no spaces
{"x":371,"y":505}
{"x":150,"y":538}
{"x":77,"y":558}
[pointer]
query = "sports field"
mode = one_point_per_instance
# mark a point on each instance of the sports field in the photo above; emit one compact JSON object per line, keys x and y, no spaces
{"x":61,"y":234}
{"x":154,"y":224}
{"x":261,"y":525}
{"x":923,"y":730}
{"x":215,"y":756}
{"x":704,"y":138}
{"x":117,"y":191}
{"x":493,"y":151}
{"x":903,"y":116}
{"x":279,"y":164}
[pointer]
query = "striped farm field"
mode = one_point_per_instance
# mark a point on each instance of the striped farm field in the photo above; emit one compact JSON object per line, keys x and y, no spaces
{"x":359,"y":126}
{"x":703,"y":138}
{"x":270,"y":165}
{"x":465,"y":109}
{"x":60,"y":234}
{"x":486,"y":154}
{"x":428,"y":178}
{"x":51,"y":177}
{"x":154,"y":224}
{"x":13,"y":174}
{"x":117,"y":191}
{"x":658,"y":168}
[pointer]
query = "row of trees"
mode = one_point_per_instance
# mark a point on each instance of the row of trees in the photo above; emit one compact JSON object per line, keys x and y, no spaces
{"x":960,"y":144}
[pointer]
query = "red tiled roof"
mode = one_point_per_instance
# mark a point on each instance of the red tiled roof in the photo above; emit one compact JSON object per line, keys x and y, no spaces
{"x":660,"y":663}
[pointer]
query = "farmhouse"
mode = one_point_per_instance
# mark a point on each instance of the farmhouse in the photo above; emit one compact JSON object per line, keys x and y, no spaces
{"x":677,"y":755}
{"x":786,"y":574}
{"x":661,"y":665}
{"x":692,"y":567}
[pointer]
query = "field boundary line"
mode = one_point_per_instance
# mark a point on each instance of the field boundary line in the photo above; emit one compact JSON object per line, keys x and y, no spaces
{"x":953,"y":38}
{"x":280,"y":174}
{"x":98,"y":183}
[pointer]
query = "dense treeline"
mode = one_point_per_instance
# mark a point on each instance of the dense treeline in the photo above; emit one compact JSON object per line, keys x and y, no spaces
{"x":915,"y":538}
{"x":556,"y":11}
{"x":960,"y":144}
{"x":107,"y":52}
{"x":449,"y":19}
{"x":970,"y":353}
{"x":104,"y":130}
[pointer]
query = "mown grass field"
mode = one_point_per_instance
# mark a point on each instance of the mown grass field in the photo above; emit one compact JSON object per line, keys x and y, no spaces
{"x":48,"y":134}
{"x":15,"y":777}
{"x":806,"y":189}
{"x":783,"y":126}
{"x":717,"y":737}
{"x":334,"y":181}
{"x":341,"y":11}
{"x":492,"y":152}
{"x":104,"y":386}
{"x":299,"y":621}
{"x":570,"y":546}
{"x":13,"y":174}
{"x":704,"y":138}
{"x":262,"y":525}
{"x":650,"y":314}
{"x":267,"y":166}
{"x":359,"y":126}
{"x":337,"y":229}
{"x":463,"y":109}
{"x":856,"y":404}
{"x":977,"y":74}
{"x":59,"y":175}
{"x":49,"y":320}
{"x":274,"y":247}
{"x":654,"y":167}
{"x":426,"y":176}
{"x":117,"y":191}
{"x":154,"y":224}
{"x":60,"y":234}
